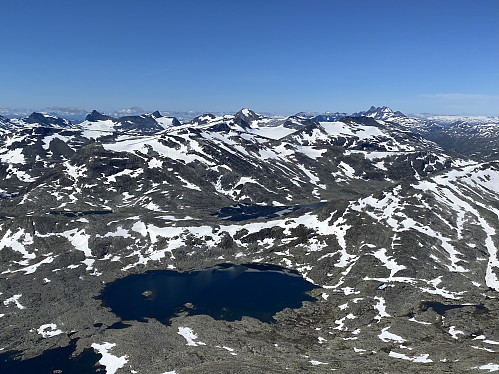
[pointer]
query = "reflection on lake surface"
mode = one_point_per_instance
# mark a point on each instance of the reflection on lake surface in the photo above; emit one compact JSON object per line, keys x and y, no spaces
{"x":226,"y":292}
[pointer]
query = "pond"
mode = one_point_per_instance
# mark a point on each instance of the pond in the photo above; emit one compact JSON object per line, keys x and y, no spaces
{"x":242,"y":212}
{"x":224,"y":292}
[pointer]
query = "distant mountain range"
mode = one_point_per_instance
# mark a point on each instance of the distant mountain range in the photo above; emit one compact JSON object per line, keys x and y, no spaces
{"x":469,"y":136}
{"x":79,"y":114}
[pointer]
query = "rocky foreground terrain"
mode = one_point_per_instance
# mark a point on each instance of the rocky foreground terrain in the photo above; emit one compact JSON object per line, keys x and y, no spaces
{"x":403,"y":248}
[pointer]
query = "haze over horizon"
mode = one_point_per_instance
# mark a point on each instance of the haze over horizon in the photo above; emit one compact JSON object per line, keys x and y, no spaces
{"x":280,"y":56}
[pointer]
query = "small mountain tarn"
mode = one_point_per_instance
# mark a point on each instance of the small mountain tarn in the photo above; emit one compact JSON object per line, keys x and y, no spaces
{"x":226,"y":292}
{"x":242,"y":212}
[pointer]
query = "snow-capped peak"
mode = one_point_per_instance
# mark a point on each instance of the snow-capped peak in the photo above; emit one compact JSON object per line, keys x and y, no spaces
{"x":46,"y":120}
{"x":248,"y":115}
{"x":382,"y":113}
{"x":96,"y":116}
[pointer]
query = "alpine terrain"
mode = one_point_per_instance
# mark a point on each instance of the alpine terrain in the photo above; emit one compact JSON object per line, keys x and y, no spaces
{"x":394,"y":219}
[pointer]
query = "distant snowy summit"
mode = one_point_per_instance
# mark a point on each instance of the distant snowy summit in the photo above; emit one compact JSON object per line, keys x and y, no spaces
{"x":383,"y":113}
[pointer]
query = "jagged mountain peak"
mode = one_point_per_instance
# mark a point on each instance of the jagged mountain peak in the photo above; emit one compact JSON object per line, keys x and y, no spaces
{"x":156,"y":114}
{"x":145,"y":124}
{"x":164,"y":121}
{"x":295,"y":122}
{"x":381,"y":113}
{"x":97,"y":116}
{"x":46,"y":120}
{"x":383,"y":109}
{"x":202,"y":119}
{"x":248,"y":115}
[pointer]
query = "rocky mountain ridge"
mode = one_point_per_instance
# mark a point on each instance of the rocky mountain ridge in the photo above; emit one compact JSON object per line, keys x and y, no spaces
{"x":398,"y":232}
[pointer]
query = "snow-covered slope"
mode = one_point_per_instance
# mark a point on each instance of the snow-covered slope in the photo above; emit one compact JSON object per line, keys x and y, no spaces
{"x":476,"y":137}
{"x":478,"y":141}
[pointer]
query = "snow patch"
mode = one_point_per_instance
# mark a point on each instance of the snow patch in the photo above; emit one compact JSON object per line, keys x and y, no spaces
{"x":381,"y":308}
{"x":387,"y":336}
{"x":315,"y":363}
{"x":14,"y":299}
{"x":490,"y":367}
{"x":111,"y":362}
{"x":420,"y":359}
{"x":190,"y":336}
{"x":48,"y":330}
{"x":454,"y":333}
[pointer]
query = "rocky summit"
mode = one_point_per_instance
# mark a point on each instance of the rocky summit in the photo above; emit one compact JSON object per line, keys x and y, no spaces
{"x":393,"y":219}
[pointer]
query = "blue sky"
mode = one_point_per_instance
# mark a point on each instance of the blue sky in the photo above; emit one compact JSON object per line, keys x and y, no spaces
{"x":272,"y":56}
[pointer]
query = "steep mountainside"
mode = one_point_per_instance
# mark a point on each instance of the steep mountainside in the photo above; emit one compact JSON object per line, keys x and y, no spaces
{"x":474,"y":137}
{"x":477,"y":141}
{"x":398,"y":232}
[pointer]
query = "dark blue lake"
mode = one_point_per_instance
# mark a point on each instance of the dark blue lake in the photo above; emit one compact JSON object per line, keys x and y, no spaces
{"x":226,"y":292}
{"x":242,"y":212}
{"x":51,"y":361}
